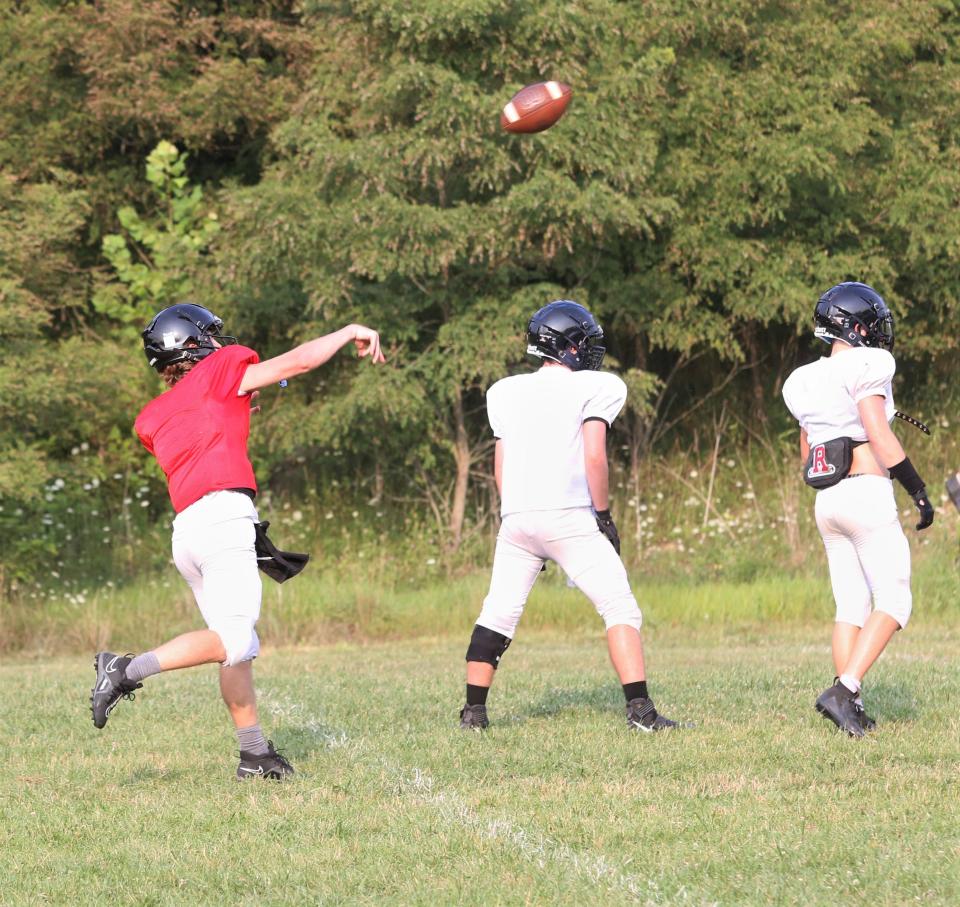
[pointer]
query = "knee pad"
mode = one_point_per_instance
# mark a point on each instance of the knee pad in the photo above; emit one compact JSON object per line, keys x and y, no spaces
{"x":487,"y":645}
{"x":621,"y":611}
{"x":240,"y":642}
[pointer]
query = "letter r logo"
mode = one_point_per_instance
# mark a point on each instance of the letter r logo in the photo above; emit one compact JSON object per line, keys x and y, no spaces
{"x":820,"y":465}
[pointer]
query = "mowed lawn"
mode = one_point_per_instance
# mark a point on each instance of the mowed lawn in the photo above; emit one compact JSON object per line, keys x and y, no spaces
{"x":762,"y":802}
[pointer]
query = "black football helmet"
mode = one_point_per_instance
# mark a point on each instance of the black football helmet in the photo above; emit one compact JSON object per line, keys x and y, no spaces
{"x":845,"y":308}
{"x":182,"y":332}
{"x":564,"y":331}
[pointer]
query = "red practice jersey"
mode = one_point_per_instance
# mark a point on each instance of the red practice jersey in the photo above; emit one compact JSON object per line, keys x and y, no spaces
{"x":198,"y":429}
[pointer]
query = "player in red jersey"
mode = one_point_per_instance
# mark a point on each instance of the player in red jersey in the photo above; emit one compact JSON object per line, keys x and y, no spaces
{"x":198,"y":432}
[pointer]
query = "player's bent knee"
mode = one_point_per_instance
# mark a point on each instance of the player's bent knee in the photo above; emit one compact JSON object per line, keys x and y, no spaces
{"x":621,"y":612}
{"x":499,"y":619}
{"x":487,"y":646}
{"x":899,"y":608}
{"x":241,"y":643}
{"x":855,"y":613}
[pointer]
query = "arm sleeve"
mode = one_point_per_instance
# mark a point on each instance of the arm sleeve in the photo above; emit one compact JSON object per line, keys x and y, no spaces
{"x":226,"y":369}
{"x":140,"y":427}
{"x":607,"y":400}
{"x":871,"y":375}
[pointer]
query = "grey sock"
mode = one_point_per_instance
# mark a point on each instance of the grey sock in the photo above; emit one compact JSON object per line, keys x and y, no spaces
{"x":251,"y":740}
{"x":143,"y":666}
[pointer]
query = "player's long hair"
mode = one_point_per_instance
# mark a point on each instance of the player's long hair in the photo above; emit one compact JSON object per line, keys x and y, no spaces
{"x":174,"y":372}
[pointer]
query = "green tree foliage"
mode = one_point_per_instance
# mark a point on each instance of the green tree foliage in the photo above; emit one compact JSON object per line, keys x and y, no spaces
{"x":156,"y":259}
{"x":721,"y":164}
{"x":88,"y":91}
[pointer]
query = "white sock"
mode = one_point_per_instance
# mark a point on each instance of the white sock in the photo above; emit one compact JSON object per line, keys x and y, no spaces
{"x":850,"y":682}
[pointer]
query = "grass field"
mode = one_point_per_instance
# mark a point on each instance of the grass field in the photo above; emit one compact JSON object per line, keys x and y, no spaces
{"x":760,"y":803}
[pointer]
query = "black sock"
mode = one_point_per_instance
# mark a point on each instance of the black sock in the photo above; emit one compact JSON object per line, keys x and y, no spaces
{"x":635,"y":690}
{"x":477,"y":695}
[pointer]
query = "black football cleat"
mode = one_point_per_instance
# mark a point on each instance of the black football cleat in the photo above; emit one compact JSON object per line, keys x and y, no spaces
{"x":866,"y":722}
{"x":837,"y":704}
{"x":271,"y":764}
{"x":643,"y":716}
{"x":473,"y":718}
{"x":111,"y":685}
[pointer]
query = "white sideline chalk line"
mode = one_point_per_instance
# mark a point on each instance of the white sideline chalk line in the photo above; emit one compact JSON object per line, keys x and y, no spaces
{"x":539,"y":848}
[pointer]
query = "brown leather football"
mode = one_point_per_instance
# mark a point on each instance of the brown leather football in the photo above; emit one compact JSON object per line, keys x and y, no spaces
{"x":536,"y":107}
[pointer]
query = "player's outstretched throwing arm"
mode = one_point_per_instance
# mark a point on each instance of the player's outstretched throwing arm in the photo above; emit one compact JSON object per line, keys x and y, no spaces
{"x":312,"y":354}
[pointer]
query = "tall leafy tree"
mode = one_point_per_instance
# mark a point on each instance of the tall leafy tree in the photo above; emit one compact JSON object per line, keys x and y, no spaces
{"x":396,"y":198}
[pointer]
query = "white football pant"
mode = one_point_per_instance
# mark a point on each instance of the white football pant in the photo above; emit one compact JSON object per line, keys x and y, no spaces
{"x":213,"y":548}
{"x":571,"y":539}
{"x":867,"y":551}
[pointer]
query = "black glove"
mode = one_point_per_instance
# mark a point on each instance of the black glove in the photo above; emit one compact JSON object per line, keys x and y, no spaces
{"x":924,"y":506}
{"x":606,"y":525}
{"x":278,"y":565}
{"x":907,"y":476}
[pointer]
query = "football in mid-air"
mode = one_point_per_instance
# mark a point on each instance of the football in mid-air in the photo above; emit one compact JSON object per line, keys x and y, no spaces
{"x":536,"y":107}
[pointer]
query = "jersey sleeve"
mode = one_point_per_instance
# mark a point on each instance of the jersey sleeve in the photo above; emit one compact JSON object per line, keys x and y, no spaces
{"x":145,"y":438}
{"x":870,"y":375}
{"x":495,"y":414}
{"x":607,"y":399}
{"x":225,"y":369}
{"x":788,"y":397}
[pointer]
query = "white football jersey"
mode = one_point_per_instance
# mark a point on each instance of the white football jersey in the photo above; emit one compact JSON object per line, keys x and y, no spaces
{"x":823,"y":395}
{"x":539,"y":419}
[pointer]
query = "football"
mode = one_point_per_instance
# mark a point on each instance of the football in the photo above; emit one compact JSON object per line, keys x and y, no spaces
{"x":536,"y":107}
